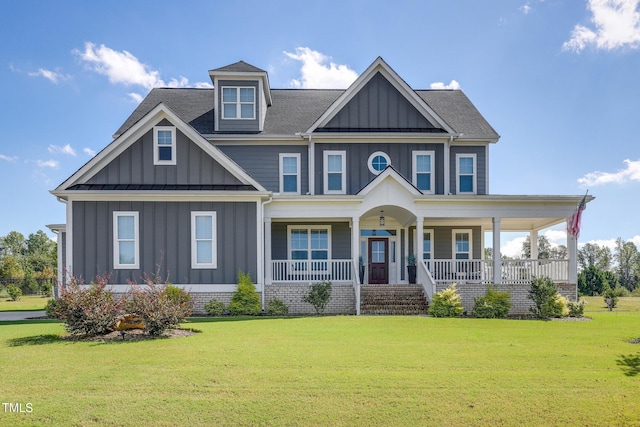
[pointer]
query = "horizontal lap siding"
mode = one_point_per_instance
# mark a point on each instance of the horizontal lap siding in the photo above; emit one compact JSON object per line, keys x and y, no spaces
{"x":340,"y":239}
{"x":443,"y":240}
{"x":165,"y":240}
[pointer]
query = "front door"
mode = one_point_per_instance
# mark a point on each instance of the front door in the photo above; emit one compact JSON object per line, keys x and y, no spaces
{"x":378,"y":260}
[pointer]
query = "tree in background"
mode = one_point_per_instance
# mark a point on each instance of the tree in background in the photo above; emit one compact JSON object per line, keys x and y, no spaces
{"x":595,"y":255}
{"x":627,"y":264}
{"x":545,"y":249}
{"x":593,"y":281}
{"x":13,"y":243}
{"x":32,"y":260}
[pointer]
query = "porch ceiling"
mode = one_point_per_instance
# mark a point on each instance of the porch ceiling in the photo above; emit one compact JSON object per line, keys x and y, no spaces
{"x":506,"y":224}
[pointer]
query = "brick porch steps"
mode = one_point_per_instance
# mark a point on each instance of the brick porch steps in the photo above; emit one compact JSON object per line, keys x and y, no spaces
{"x":392,"y":300}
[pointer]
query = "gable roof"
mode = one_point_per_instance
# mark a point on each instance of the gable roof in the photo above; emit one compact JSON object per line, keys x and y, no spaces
{"x":133,"y":134}
{"x":238,"y":67}
{"x":390,"y":173}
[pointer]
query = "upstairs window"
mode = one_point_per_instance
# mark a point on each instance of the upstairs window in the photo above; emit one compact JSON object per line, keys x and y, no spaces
{"x":164,"y":145}
{"x":335,"y":180}
{"x":203,"y":240}
{"x":238,"y":102}
{"x":378,"y":162}
{"x":466,"y":176}
{"x":290,"y":173}
{"x":423,"y":166}
{"x":125,"y":240}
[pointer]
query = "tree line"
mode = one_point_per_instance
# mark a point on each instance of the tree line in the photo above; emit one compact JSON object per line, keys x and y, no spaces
{"x":28,"y":262}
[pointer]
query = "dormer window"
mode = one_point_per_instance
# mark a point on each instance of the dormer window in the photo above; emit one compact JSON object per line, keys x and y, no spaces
{"x":238,"y":103}
{"x":164,"y":145}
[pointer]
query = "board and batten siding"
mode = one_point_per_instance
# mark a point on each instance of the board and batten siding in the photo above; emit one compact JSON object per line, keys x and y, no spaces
{"x":238,"y":125}
{"x":165,"y":240}
{"x":443,"y":240}
{"x":357,"y":168}
{"x":481,"y":166}
{"x":262,"y":162}
{"x":340,"y":239}
{"x":135,"y":165}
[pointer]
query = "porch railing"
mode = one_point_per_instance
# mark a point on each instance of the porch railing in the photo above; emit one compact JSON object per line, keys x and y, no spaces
{"x":335,"y":270}
{"x":512,"y":271}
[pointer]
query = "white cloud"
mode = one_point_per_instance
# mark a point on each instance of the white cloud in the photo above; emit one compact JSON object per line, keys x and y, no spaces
{"x":631,"y":172}
{"x":556,"y":237}
{"x":440,"y":85}
{"x":53,"y":164}
{"x":122,"y":67}
{"x":88,"y":151}
{"x":135,"y":97}
{"x":616,"y":24}
{"x":513,"y":248}
{"x":525,"y":8}
{"x":67,"y":149}
{"x":319,"y":72}
{"x":52,"y":76}
{"x":8,"y":158}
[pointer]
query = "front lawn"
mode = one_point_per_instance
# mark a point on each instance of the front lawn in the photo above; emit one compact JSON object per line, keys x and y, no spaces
{"x":25,"y":303}
{"x":341,"y":370}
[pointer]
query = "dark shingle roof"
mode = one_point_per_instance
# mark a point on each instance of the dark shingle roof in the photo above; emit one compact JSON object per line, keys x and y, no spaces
{"x":239,"y":67}
{"x":295,"y":110}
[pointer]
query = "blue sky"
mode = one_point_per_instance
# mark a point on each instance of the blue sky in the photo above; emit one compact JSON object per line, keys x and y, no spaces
{"x":557,"y":79}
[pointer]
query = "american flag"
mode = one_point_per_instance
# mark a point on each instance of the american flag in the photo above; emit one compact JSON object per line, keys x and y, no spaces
{"x":573,"y":225}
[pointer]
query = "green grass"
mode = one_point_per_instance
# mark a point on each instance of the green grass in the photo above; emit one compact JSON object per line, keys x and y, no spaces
{"x":342,"y":370}
{"x":25,"y":303}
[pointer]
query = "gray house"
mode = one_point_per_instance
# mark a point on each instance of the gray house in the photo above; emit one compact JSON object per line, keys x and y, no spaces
{"x":297,"y":186}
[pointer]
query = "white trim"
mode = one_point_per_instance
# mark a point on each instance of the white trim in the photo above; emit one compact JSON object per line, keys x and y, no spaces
{"x":414,"y":169}
{"x":325,"y":172}
{"x":189,"y":287}
{"x":238,"y":103}
{"x":454,"y":251}
{"x":156,"y":146}
{"x":309,"y":228}
{"x":382,"y":154}
{"x":214,"y":240}
{"x":136,"y":241}
{"x":282,"y":174}
{"x":432,"y":240}
{"x":69,"y":267}
{"x":473,"y":156}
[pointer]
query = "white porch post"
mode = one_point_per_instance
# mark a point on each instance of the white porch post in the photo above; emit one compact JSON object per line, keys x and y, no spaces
{"x":533,"y":240}
{"x":268,"y":268}
{"x":497,"y":263}
{"x":355,"y":252}
{"x":572,"y":249}
{"x":420,"y":247}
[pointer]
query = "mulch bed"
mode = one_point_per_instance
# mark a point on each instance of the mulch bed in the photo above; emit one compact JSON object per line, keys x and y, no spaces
{"x":132,"y":335}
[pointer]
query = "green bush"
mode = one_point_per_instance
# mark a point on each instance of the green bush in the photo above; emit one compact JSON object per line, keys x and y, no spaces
{"x":576,"y":309}
{"x":446,"y":303}
{"x":245,"y":300}
{"x":214,"y":307}
{"x":611,"y":295}
{"x":160,"y":310}
{"x":51,"y":308}
{"x":544,"y":294}
{"x":88,"y":310}
{"x":277,"y":307}
{"x":14,"y":292}
{"x":492,"y":305}
{"x":177,"y":295}
{"x":319,"y":296}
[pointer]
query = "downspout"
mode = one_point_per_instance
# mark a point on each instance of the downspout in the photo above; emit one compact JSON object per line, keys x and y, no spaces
{"x":264,"y":249}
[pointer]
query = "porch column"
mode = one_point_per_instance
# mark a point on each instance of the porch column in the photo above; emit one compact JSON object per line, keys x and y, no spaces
{"x":497,"y":263}
{"x":572,"y":250}
{"x":268,"y":269}
{"x":420,"y":247}
{"x":355,"y":241}
{"x":533,"y":241}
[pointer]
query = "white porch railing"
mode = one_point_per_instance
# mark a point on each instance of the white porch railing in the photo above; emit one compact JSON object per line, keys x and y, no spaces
{"x":334,"y":270}
{"x":512,"y":271}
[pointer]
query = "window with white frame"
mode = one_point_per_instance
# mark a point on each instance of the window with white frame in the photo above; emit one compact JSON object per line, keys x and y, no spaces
{"x":164,"y":145}
{"x":466,"y":176}
{"x":378,"y":162}
{"x":239,"y":102}
{"x":290,"y":173}
{"x":423,"y":167}
{"x":204,"y":252}
{"x":427,"y":244}
{"x":462,"y":248}
{"x":126,"y":244}
{"x":309,"y":242}
{"x":335,"y":180}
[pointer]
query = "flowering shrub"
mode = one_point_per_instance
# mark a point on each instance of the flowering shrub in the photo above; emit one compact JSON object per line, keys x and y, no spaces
{"x":88,"y":310}
{"x":446,"y":303}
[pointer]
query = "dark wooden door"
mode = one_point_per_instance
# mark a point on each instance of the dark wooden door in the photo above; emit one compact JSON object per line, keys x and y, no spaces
{"x":378,"y":260}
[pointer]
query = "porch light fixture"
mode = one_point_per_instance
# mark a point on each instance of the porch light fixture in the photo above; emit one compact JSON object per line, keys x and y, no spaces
{"x":381,"y":218}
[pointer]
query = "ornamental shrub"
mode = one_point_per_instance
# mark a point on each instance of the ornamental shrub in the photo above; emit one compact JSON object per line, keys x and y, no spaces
{"x":319,"y":296}
{"x":492,"y":305}
{"x":611,"y":295}
{"x":277,"y":307}
{"x":543,"y":293}
{"x":446,"y":303}
{"x":214,"y":307}
{"x":160,"y":309}
{"x":88,"y":310}
{"x":245,"y":300}
{"x":576,"y":309}
{"x":14,"y":292}
{"x":50,"y":308}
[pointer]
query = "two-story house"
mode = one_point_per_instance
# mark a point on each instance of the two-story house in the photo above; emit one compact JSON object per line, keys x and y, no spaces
{"x":297,"y":186}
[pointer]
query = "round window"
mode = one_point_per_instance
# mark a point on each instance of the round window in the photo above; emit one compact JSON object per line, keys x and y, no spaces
{"x":378,"y":161}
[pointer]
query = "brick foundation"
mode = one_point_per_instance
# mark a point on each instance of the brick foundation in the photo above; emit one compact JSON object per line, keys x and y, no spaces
{"x":343,"y":298}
